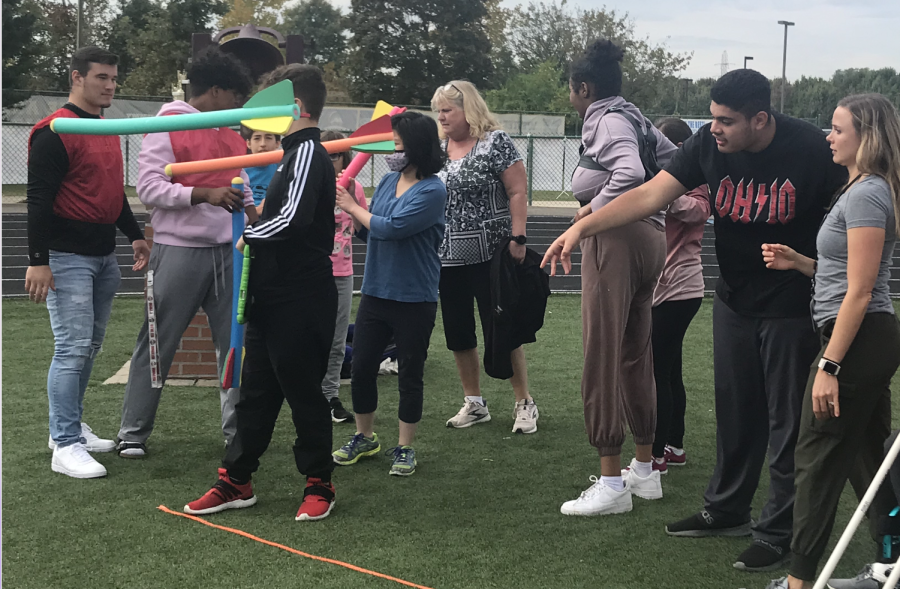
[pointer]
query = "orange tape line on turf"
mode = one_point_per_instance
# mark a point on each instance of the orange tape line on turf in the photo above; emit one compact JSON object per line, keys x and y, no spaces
{"x":293,"y":550}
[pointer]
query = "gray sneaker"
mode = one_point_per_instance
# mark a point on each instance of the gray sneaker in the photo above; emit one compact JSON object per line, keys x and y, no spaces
{"x":873,"y":576}
{"x":526,"y":416}
{"x":404,"y":463}
{"x":470,"y":414}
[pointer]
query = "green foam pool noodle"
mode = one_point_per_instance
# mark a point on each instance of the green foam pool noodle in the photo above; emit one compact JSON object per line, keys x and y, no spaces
{"x":165,"y":124}
{"x":245,"y":280}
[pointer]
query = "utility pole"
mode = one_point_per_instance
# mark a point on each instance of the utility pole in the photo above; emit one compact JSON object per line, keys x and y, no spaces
{"x":79,"y":27}
{"x":784,"y":61}
{"x":746,"y":59}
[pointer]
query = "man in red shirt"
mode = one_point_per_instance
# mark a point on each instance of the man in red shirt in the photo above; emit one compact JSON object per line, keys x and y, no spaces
{"x":76,"y":200}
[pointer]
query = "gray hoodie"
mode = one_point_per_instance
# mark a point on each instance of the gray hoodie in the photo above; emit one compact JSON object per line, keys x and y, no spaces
{"x":610,"y":140}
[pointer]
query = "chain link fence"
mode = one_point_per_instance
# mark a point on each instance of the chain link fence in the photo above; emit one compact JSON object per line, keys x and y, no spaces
{"x":549,"y":163}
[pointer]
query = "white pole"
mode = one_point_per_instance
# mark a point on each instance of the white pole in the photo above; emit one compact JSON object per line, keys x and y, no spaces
{"x":858,"y":515}
{"x":893,"y":578}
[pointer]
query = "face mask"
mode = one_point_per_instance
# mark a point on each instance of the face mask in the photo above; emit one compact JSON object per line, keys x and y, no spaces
{"x":397,"y":161}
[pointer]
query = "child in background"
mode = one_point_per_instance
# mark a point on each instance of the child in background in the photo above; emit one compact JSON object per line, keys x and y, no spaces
{"x":342,"y":264}
{"x":260,"y":176}
{"x":676,"y":300}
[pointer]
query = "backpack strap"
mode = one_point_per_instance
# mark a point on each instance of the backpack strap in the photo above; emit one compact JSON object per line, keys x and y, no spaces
{"x":646,"y":139}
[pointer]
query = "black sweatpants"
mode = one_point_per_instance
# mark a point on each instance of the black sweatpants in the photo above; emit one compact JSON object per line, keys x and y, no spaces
{"x":671,"y":320}
{"x":411,"y":325}
{"x":831,"y":451}
{"x":286,"y":356}
{"x":761,"y":366}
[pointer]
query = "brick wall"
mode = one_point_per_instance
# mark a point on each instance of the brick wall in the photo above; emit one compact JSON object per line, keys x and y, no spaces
{"x":196,"y":355}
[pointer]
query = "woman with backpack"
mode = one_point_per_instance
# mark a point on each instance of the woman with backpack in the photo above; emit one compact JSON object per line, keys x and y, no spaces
{"x":620,"y":268}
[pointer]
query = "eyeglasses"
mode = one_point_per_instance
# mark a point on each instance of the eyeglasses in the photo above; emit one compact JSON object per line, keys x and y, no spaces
{"x":336,"y":156}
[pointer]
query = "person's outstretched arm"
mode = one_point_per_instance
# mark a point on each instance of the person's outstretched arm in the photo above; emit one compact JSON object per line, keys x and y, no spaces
{"x":636,"y":204}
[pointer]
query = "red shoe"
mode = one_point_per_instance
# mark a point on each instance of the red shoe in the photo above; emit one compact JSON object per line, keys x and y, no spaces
{"x":660,"y":464}
{"x":224,"y":495}
{"x":318,"y":499}
{"x":674,"y":459}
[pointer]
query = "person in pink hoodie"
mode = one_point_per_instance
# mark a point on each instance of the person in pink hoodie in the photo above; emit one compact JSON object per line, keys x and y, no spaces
{"x":191,"y":256}
{"x":619,"y":271}
{"x":676,"y":300}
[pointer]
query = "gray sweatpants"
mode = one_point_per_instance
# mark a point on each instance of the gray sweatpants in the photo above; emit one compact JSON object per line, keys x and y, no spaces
{"x":331,"y":385}
{"x":186,"y":279}
{"x":761,"y":366}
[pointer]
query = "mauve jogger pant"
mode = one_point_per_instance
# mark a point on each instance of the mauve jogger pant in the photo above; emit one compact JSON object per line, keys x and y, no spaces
{"x":619,"y":271}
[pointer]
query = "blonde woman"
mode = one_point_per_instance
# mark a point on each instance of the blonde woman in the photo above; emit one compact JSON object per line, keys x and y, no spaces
{"x":486,"y":203}
{"x":846,"y":410}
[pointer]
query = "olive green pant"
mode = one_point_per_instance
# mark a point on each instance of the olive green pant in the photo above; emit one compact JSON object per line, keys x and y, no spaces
{"x":831,"y":451}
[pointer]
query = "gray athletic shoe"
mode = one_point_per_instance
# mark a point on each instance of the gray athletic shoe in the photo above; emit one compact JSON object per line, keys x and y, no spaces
{"x":470,"y":414}
{"x":873,"y":576}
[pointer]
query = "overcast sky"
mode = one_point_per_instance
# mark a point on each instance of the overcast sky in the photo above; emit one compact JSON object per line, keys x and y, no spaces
{"x":829,"y":34}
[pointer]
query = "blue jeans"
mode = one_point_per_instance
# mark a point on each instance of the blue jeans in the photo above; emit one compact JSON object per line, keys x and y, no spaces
{"x":79,"y":310}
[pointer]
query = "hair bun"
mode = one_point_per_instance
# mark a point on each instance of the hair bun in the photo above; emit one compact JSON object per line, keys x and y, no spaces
{"x":604,"y":51}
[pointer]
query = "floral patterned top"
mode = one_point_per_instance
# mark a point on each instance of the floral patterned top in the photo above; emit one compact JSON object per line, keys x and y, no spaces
{"x":477,"y":213}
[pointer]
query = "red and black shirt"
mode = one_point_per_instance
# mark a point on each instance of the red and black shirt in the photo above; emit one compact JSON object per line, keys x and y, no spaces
{"x":75,"y":194}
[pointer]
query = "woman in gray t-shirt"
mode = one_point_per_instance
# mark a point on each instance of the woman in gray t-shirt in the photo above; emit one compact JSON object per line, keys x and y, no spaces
{"x":846,"y":409}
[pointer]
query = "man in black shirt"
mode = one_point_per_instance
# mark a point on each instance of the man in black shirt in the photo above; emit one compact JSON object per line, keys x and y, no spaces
{"x":75,"y":202}
{"x":771,"y":178}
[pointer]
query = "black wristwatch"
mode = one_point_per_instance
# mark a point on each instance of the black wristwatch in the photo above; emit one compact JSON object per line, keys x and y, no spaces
{"x":520,"y":239}
{"x":829,"y":366}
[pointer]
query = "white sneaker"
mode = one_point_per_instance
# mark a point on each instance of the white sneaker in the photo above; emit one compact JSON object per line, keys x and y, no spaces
{"x":74,"y":461}
{"x":470,"y":414}
{"x":648,"y":488}
{"x":93,"y":443}
{"x":526,"y":416}
{"x":598,"y":499}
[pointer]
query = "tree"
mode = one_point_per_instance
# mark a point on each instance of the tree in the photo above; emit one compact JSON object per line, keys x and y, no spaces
{"x":55,"y":41}
{"x":536,"y":91}
{"x":402,"y":50}
{"x":163,"y":47}
{"x":323,"y":28}
{"x":263,"y":13}
{"x":816,"y":98}
{"x":552,"y":32}
{"x":496,"y":25}
{"x":132,"y":18}
{"x":20,"y":53}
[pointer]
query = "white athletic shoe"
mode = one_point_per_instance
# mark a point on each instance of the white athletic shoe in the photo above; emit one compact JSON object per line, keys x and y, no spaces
{"x":526,"y":416}
{"x":74,"y":461}
{"x":598,"y":499}
{"x":470,"y":414}
{"x":645,"y":488}
{"x":93,"y":443}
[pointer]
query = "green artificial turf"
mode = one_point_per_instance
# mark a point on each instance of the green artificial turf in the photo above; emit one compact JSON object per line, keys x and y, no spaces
{"x":481,"y":511}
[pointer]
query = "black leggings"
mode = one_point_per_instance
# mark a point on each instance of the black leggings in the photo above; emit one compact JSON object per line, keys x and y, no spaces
{"x":670,"y":322}
{"x":459,"y":286}
{"x":411,"y":325}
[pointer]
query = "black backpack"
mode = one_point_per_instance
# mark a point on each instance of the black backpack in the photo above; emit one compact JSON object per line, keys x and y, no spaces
{"x":646,"y":146}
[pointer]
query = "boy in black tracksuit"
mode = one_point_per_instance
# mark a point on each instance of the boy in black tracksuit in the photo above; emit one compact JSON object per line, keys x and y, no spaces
{"x":291,"y":315}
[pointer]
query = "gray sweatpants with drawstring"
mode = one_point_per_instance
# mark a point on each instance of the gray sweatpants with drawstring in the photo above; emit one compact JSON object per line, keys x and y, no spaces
{"x":185,"y":279}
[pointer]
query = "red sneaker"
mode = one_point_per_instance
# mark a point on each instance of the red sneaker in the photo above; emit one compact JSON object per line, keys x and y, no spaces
{"x":660,"y":464}
{"x":675,"y":459}
{"x":318,"y":499}
{"x":224,"y":495}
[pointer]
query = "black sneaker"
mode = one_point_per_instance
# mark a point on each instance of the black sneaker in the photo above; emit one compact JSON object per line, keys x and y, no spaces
{"x":763,"y":556}
{"x":701,"y":525}
{"x":338,"y":413}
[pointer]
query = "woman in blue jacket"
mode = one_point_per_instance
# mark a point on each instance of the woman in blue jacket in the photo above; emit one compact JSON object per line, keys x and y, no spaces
{"x":403,"y":228}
